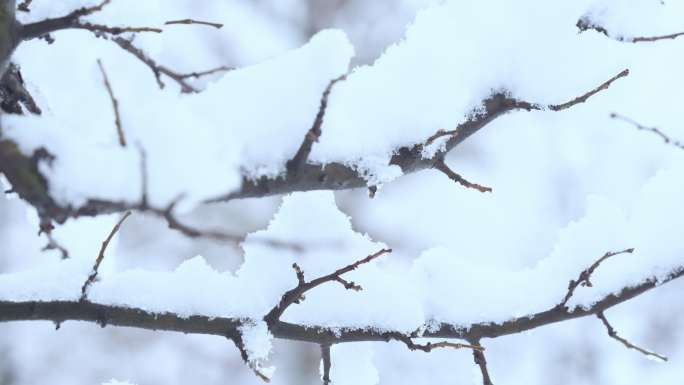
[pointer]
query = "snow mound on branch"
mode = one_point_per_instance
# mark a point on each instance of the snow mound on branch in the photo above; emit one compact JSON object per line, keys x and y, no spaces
{"x":446,"y":66}
{"x":197,"y":146}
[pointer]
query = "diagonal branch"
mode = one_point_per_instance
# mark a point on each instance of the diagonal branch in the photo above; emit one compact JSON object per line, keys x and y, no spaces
{"x":655,"y":130}
{"x":584,"y":278}
{"x":613,"y":334}
{"x":100,"y":257}
{"x":295,"y":295}
{"x":115,"y":105}
{"x":442,"y":166}
{"x":302,"y":155}
{"x":309,"y":177}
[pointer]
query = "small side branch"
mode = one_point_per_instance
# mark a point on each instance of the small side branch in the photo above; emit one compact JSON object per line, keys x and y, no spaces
{"x":314,"y":132}
{"x":583,"y":98}
{"x":584,"y":24}
{"x":325,"y":357}
{"x":73,"y":21}
{"x":481,"y":361}
{"x":442,"y":166}
{"x":584,"y":278}
{"x":296,"y":295}
{"x":511,"y":104}
{"x":192,"y":21}
{"x":115,"y":104}
{"x":158,"y":70}
{"x":240,"y":345}
{"x":428,"y":347}
{"x":613,"y":334}
{"x":100,"y":257}
{"x":654,"y":130}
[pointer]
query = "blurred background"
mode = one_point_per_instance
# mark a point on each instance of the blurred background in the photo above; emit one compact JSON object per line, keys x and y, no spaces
{"x":411,"y":214}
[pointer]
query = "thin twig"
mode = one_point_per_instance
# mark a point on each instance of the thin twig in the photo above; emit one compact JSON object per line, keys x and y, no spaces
{"x":514,"y":104}
{"x":442,"y":166}
{"x":295,"y":295}
{"x":158,"y":70}
{"x":586,"y":96}
{"x":54,"y":245}
{"x":428,"y":347}
{"x":100,"y":257}
{"x":481,"y":361}
{"x":654,"y":130}
{"x":302,"y":155}
{"x":240,"y":345}
{"x":584,"y":24}
{"x":192,"y":21}
{"x":73,"y":21}
{"x":115,"y":104}
{"x":613,"y":334}
{"x":584,"y":277}
{"x":325,"y":357}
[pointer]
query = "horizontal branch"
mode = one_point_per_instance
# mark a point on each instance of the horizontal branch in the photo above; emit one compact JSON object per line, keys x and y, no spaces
{"x":61,"y":311}
{"x":585,"y":24}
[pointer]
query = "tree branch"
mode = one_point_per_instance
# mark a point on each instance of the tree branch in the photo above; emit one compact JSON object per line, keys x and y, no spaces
{"x":100,"y":257}
{"x":309,"y":177}
{"x":302,"y":155}
{"x":613,"y":334}
{"x":73,"y":21}
{"x":325,"y":358}
{"x":115,"y":105}
{"x":585,"y":24}
{"x":585,"y":275}
{"x":295,"y":295}
{"x":655,"y":130}
{"x":61,"y":311}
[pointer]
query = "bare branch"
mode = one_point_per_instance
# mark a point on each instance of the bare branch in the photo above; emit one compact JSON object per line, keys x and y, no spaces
{"x":302,"y":155}
{"x":325,"y":357}
{"x":54,"y":245}
{"x":442,"y":166}
{"x":295,"y":295}
{"x":613,"y":334}
{"x":428,"y":347}
{"x":481,"y":361}
{"x":73,"y":21}
{"x":584,"y":278}
{"x":158,"y":70}
{"x":654,"y":130}
{"x":240,"y":345}
{"x":514,"y":104}
{"x":584,"y":24}
{"x":100,"y":258}
{"x":192,"y":21}
{"x":115,"y":105}
{"x":583,"y":98}
{"x":61,"y":311}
